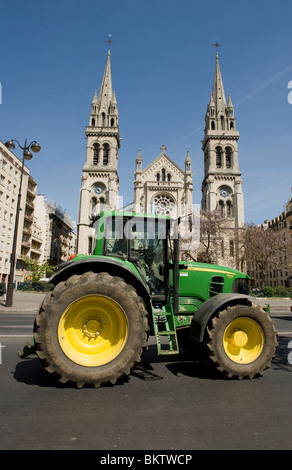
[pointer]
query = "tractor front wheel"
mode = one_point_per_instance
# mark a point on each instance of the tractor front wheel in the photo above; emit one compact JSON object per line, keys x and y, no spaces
{"x":91,"y":329}
{"x":241,"y":341}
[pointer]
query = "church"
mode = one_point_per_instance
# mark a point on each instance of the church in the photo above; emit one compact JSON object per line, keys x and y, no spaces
{"x":162,"y":187}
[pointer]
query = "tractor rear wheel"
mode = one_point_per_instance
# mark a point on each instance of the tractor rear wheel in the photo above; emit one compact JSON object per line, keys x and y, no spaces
{"x":241,"y":341}
{"x":91,"y":329}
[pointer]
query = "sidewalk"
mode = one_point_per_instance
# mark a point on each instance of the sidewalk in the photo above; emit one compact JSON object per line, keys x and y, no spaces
{"x":23,"y":302}
{"x":29,"y":302}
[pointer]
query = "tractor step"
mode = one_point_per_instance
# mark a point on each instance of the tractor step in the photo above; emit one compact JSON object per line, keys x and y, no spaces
{"x":164,"y":327}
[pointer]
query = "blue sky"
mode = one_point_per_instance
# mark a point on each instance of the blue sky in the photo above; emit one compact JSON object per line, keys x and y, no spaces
{"x":53,"y":56}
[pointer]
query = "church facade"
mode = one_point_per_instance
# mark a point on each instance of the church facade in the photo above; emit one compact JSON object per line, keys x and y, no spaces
{"x":162,"y":187}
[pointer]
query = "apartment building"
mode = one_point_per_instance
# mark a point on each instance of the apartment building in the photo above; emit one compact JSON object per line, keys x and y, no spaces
{"x":279,"y":272}
{"x":282,"y":225}
{"x":10,"y":171}
{"x":57,"y":230}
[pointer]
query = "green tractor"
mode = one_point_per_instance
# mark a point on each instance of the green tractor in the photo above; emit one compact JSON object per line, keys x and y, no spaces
{"x":93,"y":326}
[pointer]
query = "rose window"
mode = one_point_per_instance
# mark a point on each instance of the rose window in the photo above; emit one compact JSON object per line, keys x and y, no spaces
{"x":164,"y":204}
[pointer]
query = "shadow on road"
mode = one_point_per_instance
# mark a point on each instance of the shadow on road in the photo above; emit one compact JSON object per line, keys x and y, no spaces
{"x":31,"y":371}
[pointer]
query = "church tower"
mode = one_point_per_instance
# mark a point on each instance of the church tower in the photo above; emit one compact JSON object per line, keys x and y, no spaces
{"x":100,"y":182}
{"x":222,"y":184}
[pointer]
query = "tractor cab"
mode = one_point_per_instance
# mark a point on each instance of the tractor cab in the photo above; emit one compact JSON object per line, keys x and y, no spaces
{"x":141,"y":241}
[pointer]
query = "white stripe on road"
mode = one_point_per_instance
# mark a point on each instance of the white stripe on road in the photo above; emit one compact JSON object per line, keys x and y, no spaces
{"x":16,"y":336}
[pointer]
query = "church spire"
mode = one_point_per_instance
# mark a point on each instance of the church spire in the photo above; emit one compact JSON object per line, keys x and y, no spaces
{"x":104,"y":109}
{"x":220,"y":114}
{"x":106,"y":91}
{"x":218,"y":89}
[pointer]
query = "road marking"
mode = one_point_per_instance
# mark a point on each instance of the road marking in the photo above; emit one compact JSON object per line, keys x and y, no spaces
{"x":15,"y":326}
{"x":15,"y":336}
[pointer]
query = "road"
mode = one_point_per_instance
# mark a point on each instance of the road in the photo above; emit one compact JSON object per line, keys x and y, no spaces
{"x":166,"y":404}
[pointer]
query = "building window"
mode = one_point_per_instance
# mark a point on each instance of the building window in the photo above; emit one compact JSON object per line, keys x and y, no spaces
{"x":90,"y":245}
{"x":231,"y":248}
{"x":164,"y":204}
{"x":222,"y":123}
{"x":95,"y":154}
{"x":221,"y":208}
{"x":93,"y":204}
{"x":228,"y":206}
{"x":218,"y":157}
{"x":105,"y":153}
{"x":228,"y":156}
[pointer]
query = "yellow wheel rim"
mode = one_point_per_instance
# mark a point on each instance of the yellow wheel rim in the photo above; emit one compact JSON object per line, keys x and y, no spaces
{"x":93,"y":330}
{"x":243,"y":340}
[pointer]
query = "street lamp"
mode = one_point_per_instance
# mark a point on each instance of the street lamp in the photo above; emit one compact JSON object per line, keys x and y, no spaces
{"x":27,"y":155}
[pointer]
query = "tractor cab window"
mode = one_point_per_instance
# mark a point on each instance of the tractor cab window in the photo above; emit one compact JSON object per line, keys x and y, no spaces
{"x":115,"y":243}
{"x":141,"y":241}
{"x":147,"y":249}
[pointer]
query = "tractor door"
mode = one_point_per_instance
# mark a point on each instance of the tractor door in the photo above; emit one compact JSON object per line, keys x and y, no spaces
{"x":148,"y":251}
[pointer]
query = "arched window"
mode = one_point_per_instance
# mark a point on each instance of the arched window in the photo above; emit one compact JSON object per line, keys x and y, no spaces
{"x":93,"y":122}
{"x":112,"y":122}
{"x":221,"y":207}
{"x":164,"y":204}
{"x":228,"y":207}
{"x":105,"y":153}
{"x":93,"y":204}
{"x":103,"y":119}
{"x":222,"y":248}
{"x":231,"y":247}
{"x":212,"y":125}
{"x":168,"y":176}
{"x":222,"y":123}
{"x":95,"y":154}
{"x":218,"y":157}
{"x":157,"y":176}
{"x":90,"y":245}
{"x":163,"y":174}
{"x":228,"y":157}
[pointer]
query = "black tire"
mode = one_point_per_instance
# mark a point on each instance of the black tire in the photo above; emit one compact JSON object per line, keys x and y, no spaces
{"x":227,"y":333}
{"x":91,"y":329}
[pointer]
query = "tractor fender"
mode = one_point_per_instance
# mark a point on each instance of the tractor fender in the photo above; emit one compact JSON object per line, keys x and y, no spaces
{"x":96,"y":265}
{"x":209,"y":308}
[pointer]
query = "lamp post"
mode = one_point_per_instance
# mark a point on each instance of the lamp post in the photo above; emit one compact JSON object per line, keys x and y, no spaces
{"x":27,"y":155}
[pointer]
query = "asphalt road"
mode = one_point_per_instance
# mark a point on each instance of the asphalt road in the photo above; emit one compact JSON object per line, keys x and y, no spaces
{"x":167,"y":403}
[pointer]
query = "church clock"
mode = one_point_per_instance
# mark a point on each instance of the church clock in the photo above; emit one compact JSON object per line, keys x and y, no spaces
{"x":98,"y":189}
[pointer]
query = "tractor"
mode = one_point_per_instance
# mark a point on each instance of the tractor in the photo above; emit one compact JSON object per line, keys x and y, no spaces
{"x":93,"y":325}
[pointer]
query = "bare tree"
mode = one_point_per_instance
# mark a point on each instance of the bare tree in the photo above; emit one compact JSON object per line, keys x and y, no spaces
{"x":213,"y":225}
{"x":264,"y":249}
